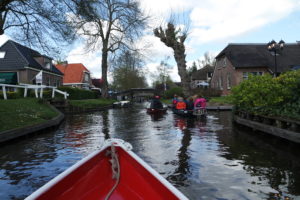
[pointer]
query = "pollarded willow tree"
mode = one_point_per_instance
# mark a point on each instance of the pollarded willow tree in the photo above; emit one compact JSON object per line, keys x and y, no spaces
{"x":39,"y":23}
{"x":175,"y":39}
{"x":109,"y":25}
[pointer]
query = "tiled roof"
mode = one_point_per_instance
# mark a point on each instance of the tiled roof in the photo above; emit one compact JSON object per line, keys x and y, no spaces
{"x":18,"y":56}
{"x":73,"y":73}
{"x":257,"y":55}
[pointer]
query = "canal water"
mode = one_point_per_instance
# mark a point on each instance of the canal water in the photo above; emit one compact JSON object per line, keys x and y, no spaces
{"x":205,"y":159}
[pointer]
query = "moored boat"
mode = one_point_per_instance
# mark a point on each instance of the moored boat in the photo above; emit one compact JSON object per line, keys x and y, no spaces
{"x":114,"y":172}
{"x":156,"y":111}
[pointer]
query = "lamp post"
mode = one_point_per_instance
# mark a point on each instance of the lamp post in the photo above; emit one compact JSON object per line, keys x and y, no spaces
{"x":275,"y":48}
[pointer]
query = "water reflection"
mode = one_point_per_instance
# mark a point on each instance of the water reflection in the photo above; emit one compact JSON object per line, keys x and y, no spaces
{"x":181,"y":173}
{"x":267,"y":159}
{"x":157,"y":116}
{"x":205,"y":159}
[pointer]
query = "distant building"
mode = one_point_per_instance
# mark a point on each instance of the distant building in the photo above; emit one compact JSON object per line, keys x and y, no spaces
{"x":20,"y":65}
{"x":97,"y":82}
{"x":237,"y":61}
{"x":75,"y":75}
{"x":202,"y":77}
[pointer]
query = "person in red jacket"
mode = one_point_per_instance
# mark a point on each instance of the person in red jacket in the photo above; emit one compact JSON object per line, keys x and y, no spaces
{"x":181,"y":105}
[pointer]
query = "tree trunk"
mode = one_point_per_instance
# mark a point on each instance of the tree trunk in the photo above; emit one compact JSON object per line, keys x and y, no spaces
{"x":1,"y":23}
{"x":104,"y":88}
{"x":172,"y":38}
{"x":179,"y":54}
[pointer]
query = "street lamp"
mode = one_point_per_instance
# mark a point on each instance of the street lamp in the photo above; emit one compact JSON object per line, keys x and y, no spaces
{"x":275,"y":48}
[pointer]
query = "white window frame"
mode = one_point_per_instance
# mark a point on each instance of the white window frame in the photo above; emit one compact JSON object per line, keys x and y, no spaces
{"x":245,"y":75}
{"x":2,"y":54}
{"x":228,"y":81}
{"x":224,"y":62}
{"x":221,"y":82}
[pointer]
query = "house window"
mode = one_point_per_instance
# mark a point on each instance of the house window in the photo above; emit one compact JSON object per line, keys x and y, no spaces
{"x":209,"y":75}
{"x":228,"y":81}
{"x":86,"y":77}
{"x":221,"y":83}
{"x":257,"y":73}
{"x":48,"y":65}
{"x":224,"y":62}
{"x":220,"y":63}
{"x":245,"y":75}
{"x":2,"y":54}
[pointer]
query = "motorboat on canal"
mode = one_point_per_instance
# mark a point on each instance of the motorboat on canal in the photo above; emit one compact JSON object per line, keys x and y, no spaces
{"x":156,"y":110}
{"x":114,"y":172}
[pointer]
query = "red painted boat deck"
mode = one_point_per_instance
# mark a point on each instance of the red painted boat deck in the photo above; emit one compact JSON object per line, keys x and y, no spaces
{"x":93,"y":180}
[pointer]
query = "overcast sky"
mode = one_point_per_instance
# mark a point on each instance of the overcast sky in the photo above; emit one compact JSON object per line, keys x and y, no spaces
{"x":213,"y":24}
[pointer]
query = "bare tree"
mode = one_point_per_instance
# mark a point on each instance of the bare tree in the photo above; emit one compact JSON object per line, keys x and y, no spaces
{"x":110,"y":25}
{"x":128,"y":72}
{"x":39,"y":23}
{"x":175,"y":39}
{"x":208,"y":60}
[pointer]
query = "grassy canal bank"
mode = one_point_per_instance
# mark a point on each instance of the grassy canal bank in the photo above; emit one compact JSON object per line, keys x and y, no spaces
{"x":15,"y":113}
{"x":91,"y":103}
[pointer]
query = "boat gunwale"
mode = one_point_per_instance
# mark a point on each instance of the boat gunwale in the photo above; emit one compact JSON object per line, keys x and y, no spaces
{"x":71,"y":169}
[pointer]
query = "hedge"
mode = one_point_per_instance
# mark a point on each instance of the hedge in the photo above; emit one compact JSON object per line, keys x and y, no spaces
{"x":77,"y":94}
{"x":266,"y":95}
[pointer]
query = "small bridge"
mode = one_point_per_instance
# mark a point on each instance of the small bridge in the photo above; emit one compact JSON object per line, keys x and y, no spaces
{"x":136,"y":94}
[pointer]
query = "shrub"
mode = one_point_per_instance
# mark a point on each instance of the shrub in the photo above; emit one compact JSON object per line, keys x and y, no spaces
{"x":270,"y":96}
{"x":77,"y":94}
{"x":175,"y":90}
{"x":258,"y":91}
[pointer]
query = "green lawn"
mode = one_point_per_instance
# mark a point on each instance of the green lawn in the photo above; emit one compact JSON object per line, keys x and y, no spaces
{"x":91,"y":103}
{"x":16,"y":113}
{"x":224,"y":100}
{"x":166,"y":101}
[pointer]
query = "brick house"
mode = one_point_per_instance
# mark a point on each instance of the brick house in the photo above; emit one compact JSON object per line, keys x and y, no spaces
{"x":75,"y":75}
{"x":237,"y":61}
{"x":97,"y":82}
{"x":202,"y":77}
{"x":20,"y":65}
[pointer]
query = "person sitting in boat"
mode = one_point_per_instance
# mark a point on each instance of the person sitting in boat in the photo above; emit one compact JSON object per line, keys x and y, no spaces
{"x":200,"y":103}
{"x":174,"y":101}
{"x":181,"y":105}
{"x":156,"y":103}
{"x":190,"y":103}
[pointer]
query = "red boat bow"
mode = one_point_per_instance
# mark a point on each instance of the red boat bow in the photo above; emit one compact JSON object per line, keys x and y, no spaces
{"x":114,"y":169}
